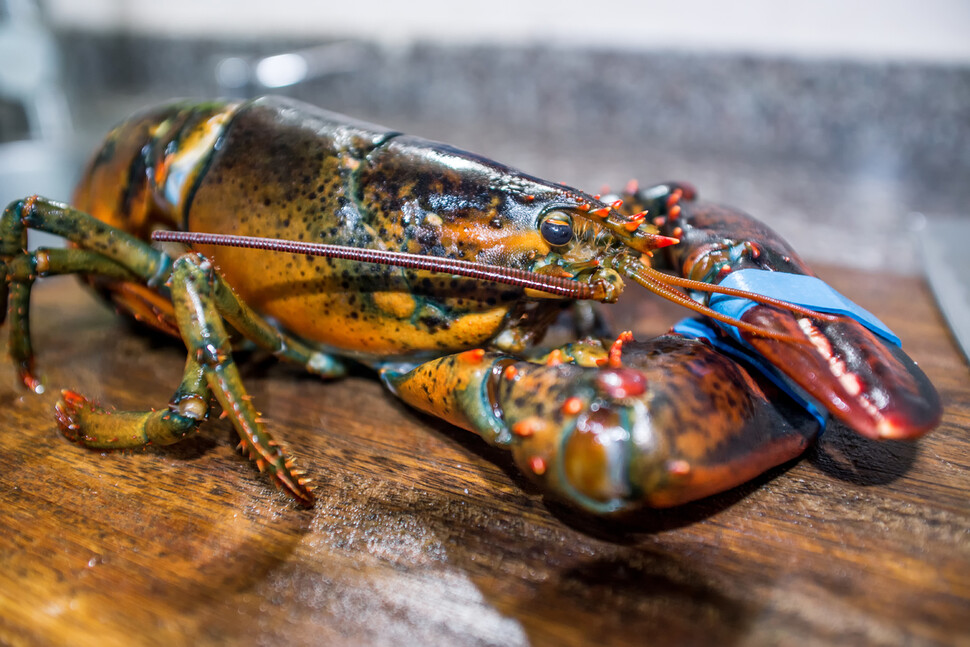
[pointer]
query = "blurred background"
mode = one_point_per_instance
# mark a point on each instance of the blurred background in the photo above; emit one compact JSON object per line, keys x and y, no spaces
{"x":843,"y":124}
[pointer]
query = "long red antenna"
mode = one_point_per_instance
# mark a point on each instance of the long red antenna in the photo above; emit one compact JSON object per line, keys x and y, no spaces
{"x":556,"y":285}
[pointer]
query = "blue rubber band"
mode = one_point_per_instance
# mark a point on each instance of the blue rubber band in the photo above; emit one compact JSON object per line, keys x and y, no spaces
{"x":697,"y":328}
{"x":798,"y":289}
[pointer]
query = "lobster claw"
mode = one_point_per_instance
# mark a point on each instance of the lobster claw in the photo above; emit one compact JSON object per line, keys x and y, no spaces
{"x":848,"y":361}
{"x":654,"y":424}
{"x":861,"y":378}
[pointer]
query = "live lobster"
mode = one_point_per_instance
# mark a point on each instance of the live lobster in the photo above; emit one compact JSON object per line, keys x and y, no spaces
{"x":442,"y":270}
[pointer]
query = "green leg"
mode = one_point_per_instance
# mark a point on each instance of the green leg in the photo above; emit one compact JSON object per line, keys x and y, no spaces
{"x":20,"y":273}
{"x":150,"y":265}
{"x":80,"y":419}
{"x":201,"y":299}
{"x":93,"y":426}
{"x":197,"y":308}
{"x":117,"y":254}
{"x":105,"y":250}
{"x":19,"y":346}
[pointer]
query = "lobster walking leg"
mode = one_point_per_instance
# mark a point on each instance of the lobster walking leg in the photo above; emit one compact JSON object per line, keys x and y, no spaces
{"x":108,"y":252}
{"x":111,"y":252}
{"x":21,"y":272}
{"x":201,"y":299}
{"x":209,"y":369}
{"x":93,"y":426}
{"x":138,"y":257}
{"x":200,"y":324}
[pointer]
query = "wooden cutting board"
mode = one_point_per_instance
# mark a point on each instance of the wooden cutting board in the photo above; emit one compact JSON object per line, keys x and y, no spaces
{"x":424,"y":535}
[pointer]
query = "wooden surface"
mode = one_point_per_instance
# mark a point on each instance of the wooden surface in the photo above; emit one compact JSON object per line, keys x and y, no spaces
{"x":423,"y":535}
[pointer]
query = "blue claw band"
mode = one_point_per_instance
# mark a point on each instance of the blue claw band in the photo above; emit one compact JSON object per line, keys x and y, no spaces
{"x":798,"y":289}
{"x":698,"y":328}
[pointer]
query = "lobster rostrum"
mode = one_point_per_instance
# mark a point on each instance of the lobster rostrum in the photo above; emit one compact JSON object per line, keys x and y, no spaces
{"x":442,"y":270}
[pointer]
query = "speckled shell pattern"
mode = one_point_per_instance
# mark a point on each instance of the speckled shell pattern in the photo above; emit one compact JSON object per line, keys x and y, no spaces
{"x":274,"y":169}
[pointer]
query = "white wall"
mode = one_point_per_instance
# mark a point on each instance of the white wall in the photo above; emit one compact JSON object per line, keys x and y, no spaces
{"x":927,"y":30}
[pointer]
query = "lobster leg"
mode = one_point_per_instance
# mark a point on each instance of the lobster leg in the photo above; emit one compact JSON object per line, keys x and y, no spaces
{"x":200,"y":325}
{"x":612,"y":429}
{"x":111,"y":253}
{"x":209,"y":371}
{"x":139,"y":258}
{"x":81,"y":420}
{"x":201,"y":300}
{"x":21,"y":272}
{"x":114,"y":254}
{"x":95,"y":427}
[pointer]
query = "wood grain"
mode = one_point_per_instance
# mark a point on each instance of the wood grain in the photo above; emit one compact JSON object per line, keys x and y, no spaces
{"x":424,"y":535}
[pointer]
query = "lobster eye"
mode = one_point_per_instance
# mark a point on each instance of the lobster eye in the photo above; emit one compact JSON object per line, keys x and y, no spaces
{"x":556,"y":229}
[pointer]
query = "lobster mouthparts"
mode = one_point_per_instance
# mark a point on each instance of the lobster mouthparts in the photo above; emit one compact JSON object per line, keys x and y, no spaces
{"x":864,"y":381}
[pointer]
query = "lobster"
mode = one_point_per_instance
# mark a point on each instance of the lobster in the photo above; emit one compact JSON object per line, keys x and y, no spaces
{"x":442,"y":270}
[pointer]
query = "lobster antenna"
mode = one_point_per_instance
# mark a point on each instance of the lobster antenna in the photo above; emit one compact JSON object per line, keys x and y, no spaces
{"x":556,"y":285}
{"x":649,"y":278}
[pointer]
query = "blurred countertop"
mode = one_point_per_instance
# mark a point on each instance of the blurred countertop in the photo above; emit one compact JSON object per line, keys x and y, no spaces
{"x":847,"y":160}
